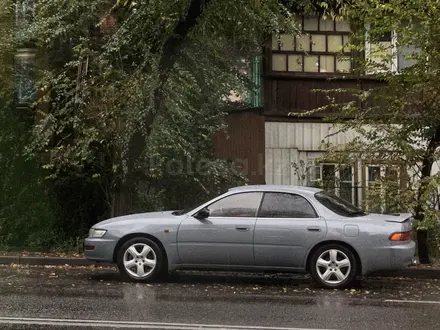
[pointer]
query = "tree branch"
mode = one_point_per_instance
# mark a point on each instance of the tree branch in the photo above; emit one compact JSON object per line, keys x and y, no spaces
{"x":171,"y":50}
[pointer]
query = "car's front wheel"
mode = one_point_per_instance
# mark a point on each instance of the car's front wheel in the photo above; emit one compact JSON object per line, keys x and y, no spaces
{"x":140,"y":259}
{"x":333,"y":266}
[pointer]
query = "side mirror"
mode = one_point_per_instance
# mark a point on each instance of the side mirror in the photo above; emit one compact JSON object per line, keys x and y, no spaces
{"x":202,"y":214}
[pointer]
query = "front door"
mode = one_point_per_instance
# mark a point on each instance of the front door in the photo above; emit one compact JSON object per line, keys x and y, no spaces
{"x":287,"y":225}
{"x":225,"y":237}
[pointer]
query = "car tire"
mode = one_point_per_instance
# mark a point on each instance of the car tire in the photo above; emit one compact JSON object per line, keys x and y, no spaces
{"x":141,"y":260}
{"x":333,"y":266}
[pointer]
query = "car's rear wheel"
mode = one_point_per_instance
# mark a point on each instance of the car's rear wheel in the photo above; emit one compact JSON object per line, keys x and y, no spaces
{"x":140,"y":259}
{"x":333,"y":266}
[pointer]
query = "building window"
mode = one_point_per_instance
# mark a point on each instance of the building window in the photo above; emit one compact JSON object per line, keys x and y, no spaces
{"x":250,"y":70}
{"x":346,"y":187}
{"x":382,"y":183}
{"x":25,"y":11}
{"x":25,"y":90}
{"x":384,"y":55}
{"x":321,"y":48}
{"x":334,"y":178}
{"x":380,"y":53}
{"x":404,"y":55}
{"x":25,"y":17}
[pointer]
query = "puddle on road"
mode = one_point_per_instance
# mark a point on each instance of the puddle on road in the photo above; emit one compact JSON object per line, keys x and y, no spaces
{"x":209,"y":286}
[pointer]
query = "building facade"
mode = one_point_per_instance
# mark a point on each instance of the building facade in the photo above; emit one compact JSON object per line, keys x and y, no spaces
{"x":293,"y":68}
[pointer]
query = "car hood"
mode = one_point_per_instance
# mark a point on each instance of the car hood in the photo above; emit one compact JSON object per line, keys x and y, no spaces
{"x":138,"y":216}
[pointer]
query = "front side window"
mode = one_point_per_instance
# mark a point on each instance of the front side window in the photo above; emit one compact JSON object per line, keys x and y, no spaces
{"x":284,"y":205}
{"x":237,"y":205}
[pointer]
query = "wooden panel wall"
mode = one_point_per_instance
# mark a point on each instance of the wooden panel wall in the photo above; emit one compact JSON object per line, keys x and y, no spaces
{"x":244,"y":143}
{"x":283,"y":96}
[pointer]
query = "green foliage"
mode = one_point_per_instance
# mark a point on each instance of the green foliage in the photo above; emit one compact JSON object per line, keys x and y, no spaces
{"x":396,"y":118}
{"x":27,"y":217}
{"x":434,"y":244}
{"x":6,"y":47}
{"x":302,"y":171}
{"x":130,"y":97}
{"x":145,"y":96}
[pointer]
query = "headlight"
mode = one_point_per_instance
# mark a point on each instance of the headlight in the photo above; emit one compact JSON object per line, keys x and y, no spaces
{"x":96,"y":233}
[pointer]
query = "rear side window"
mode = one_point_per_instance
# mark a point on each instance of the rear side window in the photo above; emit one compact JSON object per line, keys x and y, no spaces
{"x":284,"y":205}
{"x":338,"y":205}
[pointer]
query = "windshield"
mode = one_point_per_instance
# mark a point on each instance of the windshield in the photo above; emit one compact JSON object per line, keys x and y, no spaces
{"x":338,"y":205}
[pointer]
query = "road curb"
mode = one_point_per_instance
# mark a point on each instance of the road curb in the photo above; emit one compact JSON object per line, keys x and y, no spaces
{"x":50,"y":261}
{"x":411,"y":272}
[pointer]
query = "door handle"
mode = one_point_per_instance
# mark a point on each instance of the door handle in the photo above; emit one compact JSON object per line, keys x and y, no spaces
{"x":313,"y":229}
{"x":242,"y":228}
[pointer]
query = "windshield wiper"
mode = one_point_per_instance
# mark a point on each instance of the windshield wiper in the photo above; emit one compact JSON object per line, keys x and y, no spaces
{"x":178,"y":212}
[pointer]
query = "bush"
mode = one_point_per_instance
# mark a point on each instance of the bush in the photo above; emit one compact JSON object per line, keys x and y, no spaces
{"x":27,"y":217}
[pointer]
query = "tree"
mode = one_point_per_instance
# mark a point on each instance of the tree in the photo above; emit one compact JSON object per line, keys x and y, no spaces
{"x":396,"y":120}
{"x":6,"y":49}
{"x":130,"y":95}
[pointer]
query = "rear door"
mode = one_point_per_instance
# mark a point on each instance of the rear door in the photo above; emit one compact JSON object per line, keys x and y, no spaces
{"x":287,"y":225}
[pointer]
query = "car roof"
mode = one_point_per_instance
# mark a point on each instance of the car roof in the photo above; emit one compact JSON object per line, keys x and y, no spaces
{"x":281,"y":188}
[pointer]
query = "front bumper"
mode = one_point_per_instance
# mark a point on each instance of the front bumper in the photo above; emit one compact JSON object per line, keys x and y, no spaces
{"x":99,"y":249}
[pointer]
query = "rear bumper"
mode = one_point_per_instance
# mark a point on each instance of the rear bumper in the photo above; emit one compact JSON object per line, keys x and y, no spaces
{"x":389,"y":258}
{"x":402,"y":256}
{"x":99,"y":249}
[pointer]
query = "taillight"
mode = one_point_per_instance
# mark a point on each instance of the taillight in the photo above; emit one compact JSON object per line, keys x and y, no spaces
{"x":405,"y":236}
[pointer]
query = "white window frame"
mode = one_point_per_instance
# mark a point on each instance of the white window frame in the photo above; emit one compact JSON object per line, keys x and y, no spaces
{"x":368,"y":44}
{"x":382,"y":174}
{"x":276,"y":50}
{"x":337,"y":177}
{"x":395,"y":68}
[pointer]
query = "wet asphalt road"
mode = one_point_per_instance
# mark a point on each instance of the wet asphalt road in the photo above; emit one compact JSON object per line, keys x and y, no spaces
{"x":192,"y":299}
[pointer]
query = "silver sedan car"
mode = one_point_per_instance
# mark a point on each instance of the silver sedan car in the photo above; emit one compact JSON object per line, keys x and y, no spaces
{"x":258,"y":228}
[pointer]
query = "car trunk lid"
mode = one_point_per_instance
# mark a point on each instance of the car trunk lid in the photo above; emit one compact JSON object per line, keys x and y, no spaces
{"x":403,"y":220}
{"x":392,"y":217}
{"x":399,"y":217}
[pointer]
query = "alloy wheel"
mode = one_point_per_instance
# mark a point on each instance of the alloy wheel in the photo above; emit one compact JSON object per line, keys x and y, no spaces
{"x":140,"y":260}
{"x":333,"y":266}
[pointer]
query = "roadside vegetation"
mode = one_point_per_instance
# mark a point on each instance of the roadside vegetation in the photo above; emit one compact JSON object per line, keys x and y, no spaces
{"x":129,"y":96}
{"x":396,"y":122}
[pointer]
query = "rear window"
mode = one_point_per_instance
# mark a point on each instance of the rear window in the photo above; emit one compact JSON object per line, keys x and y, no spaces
{"x":338,"y":205}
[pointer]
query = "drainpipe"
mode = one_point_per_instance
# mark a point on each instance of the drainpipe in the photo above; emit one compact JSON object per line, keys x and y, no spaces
{"x":256,"y":80}
{"x":24,"y":61}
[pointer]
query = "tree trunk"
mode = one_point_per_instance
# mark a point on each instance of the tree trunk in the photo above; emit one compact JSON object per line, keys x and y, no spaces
{"x":422,"y":246}
{"x":422,"y":235}
{"x":428,"y":161}
{"x":170,"y":53}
